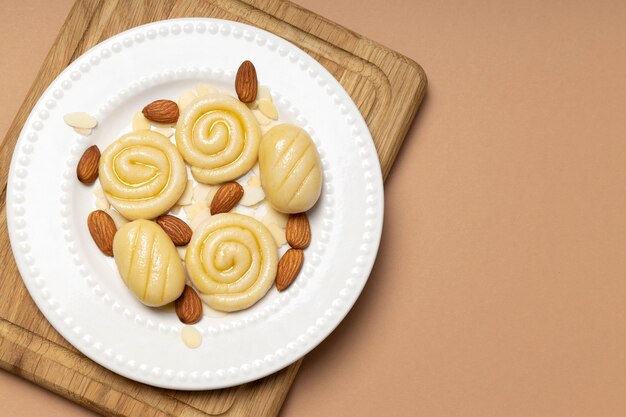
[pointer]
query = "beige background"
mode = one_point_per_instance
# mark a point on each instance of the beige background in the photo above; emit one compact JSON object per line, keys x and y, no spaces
{"x":500,"y":287}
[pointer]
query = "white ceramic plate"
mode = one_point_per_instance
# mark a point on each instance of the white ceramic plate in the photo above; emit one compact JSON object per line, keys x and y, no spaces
{"x":79,"y":290}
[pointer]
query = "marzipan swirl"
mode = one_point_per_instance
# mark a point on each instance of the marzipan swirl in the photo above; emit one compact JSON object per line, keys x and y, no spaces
{"x":218,"y":137}
{"x":142,"y":174}
{"x":232,"y":261}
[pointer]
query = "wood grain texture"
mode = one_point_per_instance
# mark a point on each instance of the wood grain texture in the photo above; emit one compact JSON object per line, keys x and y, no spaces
{"x":387,"y":88}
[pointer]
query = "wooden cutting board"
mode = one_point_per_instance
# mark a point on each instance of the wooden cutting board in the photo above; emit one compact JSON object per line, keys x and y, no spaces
{"x":387,"y":88}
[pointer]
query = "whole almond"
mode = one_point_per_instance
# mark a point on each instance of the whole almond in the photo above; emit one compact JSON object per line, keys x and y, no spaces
{"x":188,"y":306}
{"x":102,"y":229}
{"x":176,"y":229}
{"x":87,"y":168}
{"x":161,"y":111}
{"x":226,"y":197}
{"x":246,"y":82}
{"x":288,"y":268}
{"x":298,"y":231}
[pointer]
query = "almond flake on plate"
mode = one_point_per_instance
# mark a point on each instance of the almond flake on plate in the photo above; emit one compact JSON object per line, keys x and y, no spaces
{"x":185,"y":199}
{"x":80,"y":120}
{"x":186,"y":98}
{"x":205,"y":89}
{"x":118,"y":219}
{"x":254,"y":181}
{"x":175,"y":210}
{"x":274,"y":216}
{"x":261,"y":118}
{"x":82,"y":132}
{"x":192,"y":210}
{"x":278,"y":233}
{"x":165,"y":131}
{"x":268,"y":109}
{"x":203,"y":194}
{"x":200,"y":217}
{"x":101,"y":201}
{"x":252,"y":195}
{"x":263,"y":93}
{"x":140,"y":122}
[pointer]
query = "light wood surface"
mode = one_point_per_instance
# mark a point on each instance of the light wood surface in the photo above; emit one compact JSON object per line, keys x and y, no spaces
{"x":386,"y":87}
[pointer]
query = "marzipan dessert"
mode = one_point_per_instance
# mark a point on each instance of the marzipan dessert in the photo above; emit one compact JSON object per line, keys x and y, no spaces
{"x":148,"y":263}
{"x":218,"y":137}
{"x":232,"y":261}
{"x":142,"y":174}
{"x":252,"y":182}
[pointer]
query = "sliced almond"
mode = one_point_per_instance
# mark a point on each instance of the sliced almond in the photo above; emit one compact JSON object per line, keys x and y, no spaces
{"x":252,"y":194}
{"x":205,"y":89}
{"x":102,"y":229}
{"x":185,"y":199}
{"x":268,"y":109}
{"x":182,"y":251}
{"x":165,"y":131}
{"x":275,"y":216}
{"x":263,"y":93}
{"x":298,"y":231}
{"x":140,"y":122}
{"x":261,"y":118}
{"x":246,"y":83}
{"x":201,"y":216}
{"x":288,"y":268}
{"x":185,"y":98}
{"x":87,"y":168}
{"x":176,"y":209}
{"x":118,"y":219}
{"x":278,"y":233}
{"x":102,"y":204}
{"x":192,"y":210}
{"x":203,"y":194}
{"x":189,"y":306}
{"x":101,"y":201}
{"x":80,"y":120}
{"x":254,"y":181}
{"x":82,"y":132}
{"x":226,"y":197}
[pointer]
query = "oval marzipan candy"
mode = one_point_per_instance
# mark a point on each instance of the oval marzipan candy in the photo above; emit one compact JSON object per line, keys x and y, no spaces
{"x":290,"y":169}
{"x":148,"y":263}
